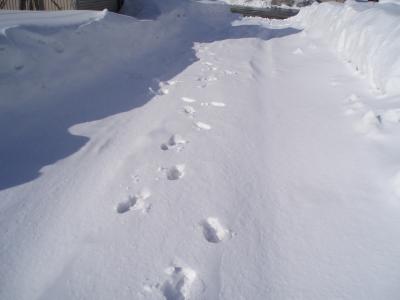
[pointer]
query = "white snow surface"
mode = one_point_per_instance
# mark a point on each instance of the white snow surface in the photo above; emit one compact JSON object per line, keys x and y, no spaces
{"x":281,"y":183}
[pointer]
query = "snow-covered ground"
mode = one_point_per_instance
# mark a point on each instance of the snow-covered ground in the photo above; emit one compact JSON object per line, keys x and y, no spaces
{"x":191,"y":154}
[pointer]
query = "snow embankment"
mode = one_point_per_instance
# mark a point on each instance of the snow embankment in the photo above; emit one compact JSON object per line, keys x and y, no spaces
{"x":364,"y":34}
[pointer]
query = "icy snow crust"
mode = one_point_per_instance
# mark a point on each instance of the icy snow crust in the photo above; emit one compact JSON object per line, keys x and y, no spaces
{"x":190,"y":154}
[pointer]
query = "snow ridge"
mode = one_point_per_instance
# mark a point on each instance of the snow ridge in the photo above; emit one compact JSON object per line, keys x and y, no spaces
{"x":364,"y":35}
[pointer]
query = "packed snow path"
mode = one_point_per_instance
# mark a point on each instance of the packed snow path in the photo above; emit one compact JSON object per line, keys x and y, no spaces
{"x":253,"y":173}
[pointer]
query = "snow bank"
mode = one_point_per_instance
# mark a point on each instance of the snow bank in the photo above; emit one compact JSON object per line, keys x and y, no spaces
{"x":364,"y":34}
{"x":24,"y":33}
{"x":61,"y":18}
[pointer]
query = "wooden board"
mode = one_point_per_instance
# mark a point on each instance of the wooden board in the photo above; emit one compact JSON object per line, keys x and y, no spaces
{"x":267,"y":12}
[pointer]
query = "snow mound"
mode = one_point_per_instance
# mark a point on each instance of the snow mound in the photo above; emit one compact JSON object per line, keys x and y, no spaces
{"x":364,"y":34}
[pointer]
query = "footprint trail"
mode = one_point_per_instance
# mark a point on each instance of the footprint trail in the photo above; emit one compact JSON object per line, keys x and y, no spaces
{"x":203,"y":126}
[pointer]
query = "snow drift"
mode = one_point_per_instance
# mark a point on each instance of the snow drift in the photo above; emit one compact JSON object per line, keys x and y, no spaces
{"x":365,"y":34}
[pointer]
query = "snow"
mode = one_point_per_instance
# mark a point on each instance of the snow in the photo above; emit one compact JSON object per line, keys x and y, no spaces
{"x":365,"y":35}
{"x":188,"y":153}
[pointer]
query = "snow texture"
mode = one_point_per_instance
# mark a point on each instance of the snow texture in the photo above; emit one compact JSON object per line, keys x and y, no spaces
{"x":133,"y":146}
{"x":364,"y":34}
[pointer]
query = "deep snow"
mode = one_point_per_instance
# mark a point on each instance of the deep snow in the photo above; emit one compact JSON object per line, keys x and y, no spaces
{"x":190,"y":154}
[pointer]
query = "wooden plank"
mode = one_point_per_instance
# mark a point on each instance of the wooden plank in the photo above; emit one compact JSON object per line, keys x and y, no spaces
{"x":272,"y":12}
{"x":111,"y":5}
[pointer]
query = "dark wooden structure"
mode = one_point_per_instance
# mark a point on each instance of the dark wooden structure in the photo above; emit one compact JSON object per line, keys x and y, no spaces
{"x":273,"y":12}
{"x":111,"y":5}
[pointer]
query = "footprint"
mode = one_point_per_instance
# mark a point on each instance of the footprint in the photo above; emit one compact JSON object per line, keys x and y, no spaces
{"x":298,"y":51}
{"x":218,"y":104}
{"x":211,"y":78}
{"x":162,"y":87}
{"x":174,"y":140}
{"x":175,"y":172}
{"x":173,"y":82}
{"x":202,"y":126}
{"x":213,"y":103}
{"x":369,"y":123}
{"x":164,"y":147}
{"x":189,"y":110}
{"x":163,"y":91}
{"x":213,"y":231}
{"x":178,"y":285}
{"x":188,"y":100}
{"x":159,"y":92}
{"x":123,"y":207}
{"x":135,"y":202}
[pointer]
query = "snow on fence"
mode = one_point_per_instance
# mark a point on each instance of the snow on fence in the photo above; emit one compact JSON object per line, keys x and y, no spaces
{"x":111,"y":5}
{"x":364,"y":34}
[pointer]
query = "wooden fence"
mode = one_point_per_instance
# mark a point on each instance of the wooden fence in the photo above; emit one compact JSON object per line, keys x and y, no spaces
{"x":111,"y":5}
{"x":37,"y":4}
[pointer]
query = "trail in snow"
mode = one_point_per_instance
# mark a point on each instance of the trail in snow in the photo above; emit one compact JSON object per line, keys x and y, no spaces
{"x":253,"y":171}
